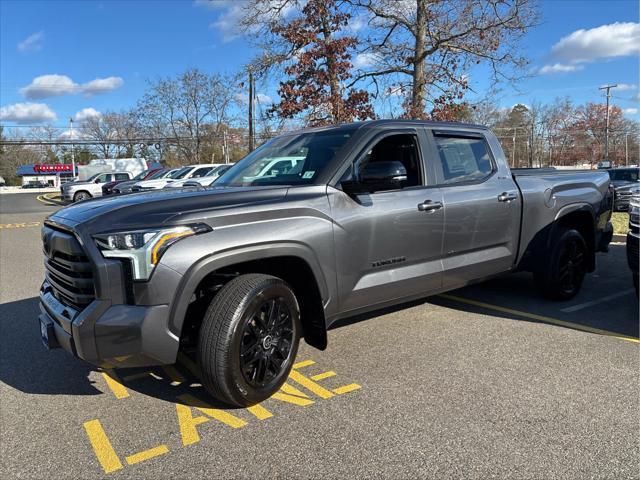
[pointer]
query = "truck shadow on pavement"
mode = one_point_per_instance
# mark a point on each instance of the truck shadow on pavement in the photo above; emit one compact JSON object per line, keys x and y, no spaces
{"x":606,"y":301}
{"x":26,"y":365}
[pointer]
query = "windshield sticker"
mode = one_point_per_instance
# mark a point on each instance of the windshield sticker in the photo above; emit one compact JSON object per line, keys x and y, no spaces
{"x":309,"y":174}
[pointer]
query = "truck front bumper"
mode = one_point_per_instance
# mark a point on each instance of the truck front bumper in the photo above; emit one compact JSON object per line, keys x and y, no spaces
{"x":108,"y":335}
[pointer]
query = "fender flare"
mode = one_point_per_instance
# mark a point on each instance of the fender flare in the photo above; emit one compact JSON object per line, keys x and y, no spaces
{"x":217,"y":260}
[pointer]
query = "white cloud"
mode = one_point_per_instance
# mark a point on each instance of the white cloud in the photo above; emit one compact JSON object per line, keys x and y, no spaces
{"x":630,"y":111}
{"x":626,"y":86}
{"x":559,"y":68}
{"x":33,"y":43}
{"x":75,"y":134}
{"x":227,"y":24}
{"x":356,"y":24}
{"x":46,"y":86}
{"x":26,"y":113}
{"x":606,"y":41}
{"x":101,"y":85}
{"x":86,"y":113}
{"x":54,"y":85}
{"x":364,"y":60}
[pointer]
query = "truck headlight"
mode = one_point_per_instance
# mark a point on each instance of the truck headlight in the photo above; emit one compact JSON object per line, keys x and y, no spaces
{"x":144,"y":248}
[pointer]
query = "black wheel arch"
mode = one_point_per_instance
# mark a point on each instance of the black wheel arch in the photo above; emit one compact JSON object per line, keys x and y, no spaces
{"x":202,"y":283}
{"x":581,"y":219}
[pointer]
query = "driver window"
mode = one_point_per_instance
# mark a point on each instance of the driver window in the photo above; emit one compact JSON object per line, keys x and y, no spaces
{"x":401,"y":148}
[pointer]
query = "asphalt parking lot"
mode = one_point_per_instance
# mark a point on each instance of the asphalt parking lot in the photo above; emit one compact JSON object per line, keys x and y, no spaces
{"x":487,"y":381}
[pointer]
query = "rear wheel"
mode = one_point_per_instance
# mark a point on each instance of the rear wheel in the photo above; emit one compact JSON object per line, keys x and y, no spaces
{"x":79,"y":196}
{"x":249,"y":339}
{"x":562,"y":273}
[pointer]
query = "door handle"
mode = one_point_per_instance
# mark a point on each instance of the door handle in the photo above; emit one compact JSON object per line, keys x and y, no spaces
{"x":429,"y":206}
{"x":507,"y":197}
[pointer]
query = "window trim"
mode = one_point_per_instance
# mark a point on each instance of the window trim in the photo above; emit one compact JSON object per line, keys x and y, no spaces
{"x":464,"y":135}
{"x":374,"y":139}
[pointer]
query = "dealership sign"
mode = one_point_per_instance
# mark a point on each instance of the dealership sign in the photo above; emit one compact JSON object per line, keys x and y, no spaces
{"x":52,"y":168}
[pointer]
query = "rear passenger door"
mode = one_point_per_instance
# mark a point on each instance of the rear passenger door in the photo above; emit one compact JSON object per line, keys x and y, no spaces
{"x":481,"y":207}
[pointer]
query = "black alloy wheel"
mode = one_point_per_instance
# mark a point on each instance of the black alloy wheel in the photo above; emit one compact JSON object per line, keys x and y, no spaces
{"x":572,"y":266}
{"x":266,"y":342}
{"x":249,"y":339}
{"x":562,"y":269}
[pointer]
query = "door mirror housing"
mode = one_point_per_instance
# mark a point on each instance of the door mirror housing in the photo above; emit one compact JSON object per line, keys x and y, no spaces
{"x":378,"y":176}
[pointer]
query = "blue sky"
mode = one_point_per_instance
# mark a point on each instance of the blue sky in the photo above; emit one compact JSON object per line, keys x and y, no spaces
{"x":103,"y":52}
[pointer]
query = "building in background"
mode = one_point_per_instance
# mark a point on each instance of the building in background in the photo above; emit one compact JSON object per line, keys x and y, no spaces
{"x":52,"y":174}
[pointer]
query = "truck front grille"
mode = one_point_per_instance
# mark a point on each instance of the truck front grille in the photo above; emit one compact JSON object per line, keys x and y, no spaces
{"x":68,"y":270}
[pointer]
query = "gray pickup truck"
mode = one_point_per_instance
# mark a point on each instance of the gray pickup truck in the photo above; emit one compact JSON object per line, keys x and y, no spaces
{"x":377,"y":214}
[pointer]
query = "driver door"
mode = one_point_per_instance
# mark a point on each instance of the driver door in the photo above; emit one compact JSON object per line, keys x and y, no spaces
{"x":387,"y":246}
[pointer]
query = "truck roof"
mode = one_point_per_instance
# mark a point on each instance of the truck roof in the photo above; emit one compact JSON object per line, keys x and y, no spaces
{"x":391,"y":123}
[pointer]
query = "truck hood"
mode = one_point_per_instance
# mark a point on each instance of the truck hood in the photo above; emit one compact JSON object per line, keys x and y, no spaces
{"x":159,"y":183}
{"x":161,"y":207}
{"x":624,"y":185}
{"x":75,"y":184}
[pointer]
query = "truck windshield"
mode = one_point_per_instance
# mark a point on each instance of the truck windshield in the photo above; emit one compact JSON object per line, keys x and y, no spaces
{"x":626,"y":175}
{"x":296,"y":159}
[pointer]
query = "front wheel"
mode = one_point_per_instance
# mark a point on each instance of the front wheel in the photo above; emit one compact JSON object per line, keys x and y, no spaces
{"x":249,"y":339}
{"x":561,"y":274}
{"x":80,"y":196}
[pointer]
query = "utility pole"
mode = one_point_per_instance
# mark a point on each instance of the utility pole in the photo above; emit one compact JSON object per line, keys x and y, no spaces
{"x":225,"y":146}
{"x":73,"y":158}
{"x":251,"y":132}
{"x":606,"y":131}
{"x":626,"y":149}
{"x":513,"y":150}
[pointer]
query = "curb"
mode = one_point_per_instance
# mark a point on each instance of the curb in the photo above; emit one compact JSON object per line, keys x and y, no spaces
{"x":619,"y":238}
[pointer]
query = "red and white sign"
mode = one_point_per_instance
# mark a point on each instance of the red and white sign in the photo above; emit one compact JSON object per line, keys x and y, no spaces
{"x":52,"y":168}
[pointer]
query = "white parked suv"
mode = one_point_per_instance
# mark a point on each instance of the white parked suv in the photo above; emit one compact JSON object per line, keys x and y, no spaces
{"x":184,"y":173}
{"x":203,"y":181}
{"x":91,"y":187}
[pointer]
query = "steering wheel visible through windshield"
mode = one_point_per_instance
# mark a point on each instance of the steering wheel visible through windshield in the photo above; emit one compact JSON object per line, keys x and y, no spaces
{"x":295,"y":159}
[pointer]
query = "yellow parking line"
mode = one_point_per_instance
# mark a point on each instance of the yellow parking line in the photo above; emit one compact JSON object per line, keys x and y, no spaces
{"x":147,"y":454}
{"x":322,"y":376}
{"x":173,"y":374}
{"x":310,"y":385}
{"x":346,"y":389}
{"x":304,"y":363}
{"x":19,"y":225}
{"x":102,"y":446}
{"x":260,"y":412}
{"x":540,"y":318}
{"x":43,"y":199}
{"x":114,"y":384}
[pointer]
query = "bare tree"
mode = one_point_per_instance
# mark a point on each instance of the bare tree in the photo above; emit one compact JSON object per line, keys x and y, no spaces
{"x":102,"y":131}
{"x":181,"y":107}
{"x":428,"y":46}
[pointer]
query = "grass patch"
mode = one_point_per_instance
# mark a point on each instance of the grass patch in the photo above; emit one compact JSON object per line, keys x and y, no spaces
{"x":620,"y":221}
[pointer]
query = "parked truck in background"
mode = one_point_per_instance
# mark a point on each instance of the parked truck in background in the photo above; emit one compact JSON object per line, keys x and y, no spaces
{"x":379,"y":213}
{"x":91,"y":187}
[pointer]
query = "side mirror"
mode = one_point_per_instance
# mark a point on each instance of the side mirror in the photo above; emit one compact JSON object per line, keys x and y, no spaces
{"x":378,"y":176}
{"x":97,"y":180}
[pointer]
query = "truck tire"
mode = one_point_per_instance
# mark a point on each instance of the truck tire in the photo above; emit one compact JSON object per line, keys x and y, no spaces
{"x":562,"y":272}
{"x":81,"y":195}
{"x":249,"y":339}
